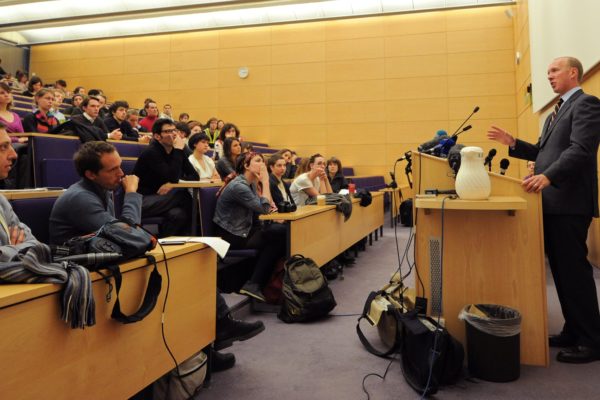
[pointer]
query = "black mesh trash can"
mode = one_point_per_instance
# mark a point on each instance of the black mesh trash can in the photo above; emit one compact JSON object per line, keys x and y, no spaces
{"x":493,"y":341}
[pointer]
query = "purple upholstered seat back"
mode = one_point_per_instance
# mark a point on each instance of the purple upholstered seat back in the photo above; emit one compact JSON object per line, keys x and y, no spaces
{"x":35,"y":213}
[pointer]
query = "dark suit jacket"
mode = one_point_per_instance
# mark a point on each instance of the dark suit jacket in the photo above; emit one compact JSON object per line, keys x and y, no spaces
{"x":128,"y":133}
{"x":80,"y":126}
{"x":566,"y":155}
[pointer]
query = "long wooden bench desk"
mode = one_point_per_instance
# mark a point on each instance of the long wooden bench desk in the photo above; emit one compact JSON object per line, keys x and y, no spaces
{"x":42,"y":358}
{"x":319,"y":232}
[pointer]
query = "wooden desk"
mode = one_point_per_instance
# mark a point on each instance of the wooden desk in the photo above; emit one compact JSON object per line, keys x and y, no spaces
{"x":319,"y":232}
{"x":195,"y":185}
{"x":42,"y":358}
{"x":30,"y":194}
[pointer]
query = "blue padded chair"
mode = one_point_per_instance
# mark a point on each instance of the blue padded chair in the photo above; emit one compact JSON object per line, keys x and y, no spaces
{"x":58,"y":172}
{"x":35,"y":213}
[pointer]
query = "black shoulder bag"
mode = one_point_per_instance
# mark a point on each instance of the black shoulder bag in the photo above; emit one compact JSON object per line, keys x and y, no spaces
{"x":129,"y":240}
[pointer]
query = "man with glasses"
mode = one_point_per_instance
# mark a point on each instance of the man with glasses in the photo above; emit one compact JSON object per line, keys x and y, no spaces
{"x":161,"y":163}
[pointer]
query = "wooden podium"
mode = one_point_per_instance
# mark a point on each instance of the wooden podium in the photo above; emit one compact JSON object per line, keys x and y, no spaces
{"x":493,"y":253}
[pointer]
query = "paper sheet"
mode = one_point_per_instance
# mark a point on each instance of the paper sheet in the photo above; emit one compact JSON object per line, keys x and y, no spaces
{"x":216,"y":243}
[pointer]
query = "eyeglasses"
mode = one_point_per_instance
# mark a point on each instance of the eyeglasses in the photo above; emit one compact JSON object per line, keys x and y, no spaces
{"x":171,"y":131}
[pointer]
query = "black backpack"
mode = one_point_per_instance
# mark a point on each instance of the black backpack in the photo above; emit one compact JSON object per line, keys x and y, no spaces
{"x":306,"y":295}
{"x":406,"y":212}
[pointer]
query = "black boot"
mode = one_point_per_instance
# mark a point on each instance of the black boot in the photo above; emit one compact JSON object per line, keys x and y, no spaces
{"x":230,"y":330}
{"x":222,"y":361}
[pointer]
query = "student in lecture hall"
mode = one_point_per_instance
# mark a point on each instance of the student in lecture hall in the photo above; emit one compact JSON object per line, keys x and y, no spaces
{"x":280,"y":190}
{"x":184,"y":117}
{"x":335,"y":175}
{"x":203,"y":164}
{"x":228,"y":130}
{"x":117,"y":120}
{"x":311,"y":183}
{"x":10,"y":119}
{"x":290,"y":163}
{"x":75,"y":107}
{"x":195,"y":127}
{"x":59,"y":95}
{"x":33,"y":86}
{"x":235,"y":212}
{"x":19,"y":84}
{"x":151,"y":111}
{"x":211,"y":130}
{"x":220,"y":124}
{"x":231,"y":150}
{"x":41,"y":120}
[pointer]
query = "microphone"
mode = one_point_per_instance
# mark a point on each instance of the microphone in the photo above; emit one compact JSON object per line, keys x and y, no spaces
{"x":431,"y":143}
{"x":488,"y":159}
{"x":407,"y":156}
{"x":465,"y":121}
{"x":466,"y":128}
{"x":91,"y":258}
{"x":504,"y":163}
{"x":454,"y":157}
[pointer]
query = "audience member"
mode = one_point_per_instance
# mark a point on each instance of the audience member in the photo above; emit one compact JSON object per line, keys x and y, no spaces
{"x":87,"y":126}
{"x":2,"y":71}
{"x":335,"y":175}
{"x":75,"y":107}
{"x":220,"y":125}
{"x":290,"y":163}
{"x":203,"y":164}
{"x":19,"y":84}
{"x":41,"y":120}
{"x":228,"y":130}
{"x":14,"y":235}
{"x":311,"y":183}
{"x":184,"y":131}
{"x":211,"y":130}
{"x":133,"y":117}
{"x":161,"y":163}
{"x":167,"y":112}
{"x":151,"y":112}
{"x":194,"y":127}
{"x":88,"y":204}
{"x":143,"y":110}
{"x":117,"y":121}
{"x":59,"y":95}
{"x":10,"y":120}
{"x":79,"y":90}
{"x":61,"y":84}
{"x":280,"y":191}
{"x":234,"y":217}
{"x":103,"y":112}
{"x":247,"y":147}
{"x":231,"y":151}
{"x":184,"y":117}
{"x":35,"y":84}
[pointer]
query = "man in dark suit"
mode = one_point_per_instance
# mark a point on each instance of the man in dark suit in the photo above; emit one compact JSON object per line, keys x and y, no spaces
{"x":566,"y":174}
{"x":88,"y":126}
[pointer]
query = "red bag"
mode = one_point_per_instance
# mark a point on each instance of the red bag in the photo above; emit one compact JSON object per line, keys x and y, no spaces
{"x":272,"y":290}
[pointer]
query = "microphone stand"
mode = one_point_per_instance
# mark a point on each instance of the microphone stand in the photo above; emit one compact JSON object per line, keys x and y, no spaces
{"x":408,"y":171}
{"x":465,"y":121}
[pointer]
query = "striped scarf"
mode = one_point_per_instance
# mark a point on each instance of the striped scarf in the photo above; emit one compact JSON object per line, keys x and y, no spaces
{"x":35,"y":266}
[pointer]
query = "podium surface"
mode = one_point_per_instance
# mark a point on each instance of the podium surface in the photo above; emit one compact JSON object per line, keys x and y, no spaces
{"x":481,"y":252}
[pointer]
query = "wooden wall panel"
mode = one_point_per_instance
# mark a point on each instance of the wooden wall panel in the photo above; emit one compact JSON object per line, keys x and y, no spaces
{"x":336,"y":87}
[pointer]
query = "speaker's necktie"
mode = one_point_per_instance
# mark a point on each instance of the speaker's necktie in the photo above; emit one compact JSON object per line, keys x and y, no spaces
{"x":556,"y":108}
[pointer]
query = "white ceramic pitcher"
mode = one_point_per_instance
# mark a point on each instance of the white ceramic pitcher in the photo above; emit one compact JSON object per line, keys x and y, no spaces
{"x":472,"y":180}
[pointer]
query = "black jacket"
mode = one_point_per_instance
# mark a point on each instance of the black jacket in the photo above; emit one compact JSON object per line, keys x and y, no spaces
{"x":155,"y":167}
{"x":338,"y":182}
{"x":276,"y":194}
{"x":87,"y":131}
{"x":125,"y":127}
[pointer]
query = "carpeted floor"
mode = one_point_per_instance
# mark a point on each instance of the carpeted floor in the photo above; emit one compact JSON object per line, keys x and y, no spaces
{"x":325,"y":360}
